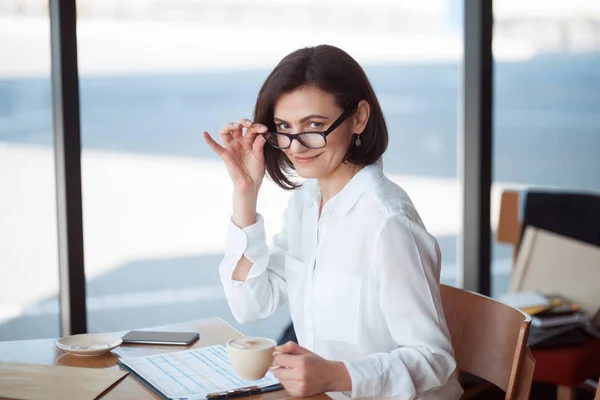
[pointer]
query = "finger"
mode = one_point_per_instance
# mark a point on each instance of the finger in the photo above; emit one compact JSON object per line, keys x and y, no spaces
{"x":216,"y":147}
{"x":284,"y":374}
{"x":291,"y":348}
{"x":244,"y":123}
{"x":254,"y":130}
{"x":286,"y":361}
{"x":258,"y":148}
{"x":252,"y":133}
{"x":226,"y":132}
{"x":281,"y":349}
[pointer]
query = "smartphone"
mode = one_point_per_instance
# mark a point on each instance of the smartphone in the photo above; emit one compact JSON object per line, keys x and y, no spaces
{"x":153,"y":337}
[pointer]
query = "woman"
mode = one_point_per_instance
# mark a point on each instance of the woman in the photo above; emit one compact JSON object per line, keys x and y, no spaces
{"x":353,"y":259}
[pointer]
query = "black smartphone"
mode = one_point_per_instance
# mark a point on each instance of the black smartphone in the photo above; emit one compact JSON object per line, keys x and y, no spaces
{"x":154,"y":337}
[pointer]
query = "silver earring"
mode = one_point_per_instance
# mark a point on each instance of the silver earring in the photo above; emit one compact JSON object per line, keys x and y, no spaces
{"x":357,"y":142}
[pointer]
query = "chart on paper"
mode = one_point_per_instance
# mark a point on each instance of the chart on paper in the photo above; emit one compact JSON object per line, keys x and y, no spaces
{"x":191,"y":374}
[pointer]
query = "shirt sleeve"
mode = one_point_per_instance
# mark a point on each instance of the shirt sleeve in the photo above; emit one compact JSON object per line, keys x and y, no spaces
{"x":265,"y":288}
{"x":407,"y":267}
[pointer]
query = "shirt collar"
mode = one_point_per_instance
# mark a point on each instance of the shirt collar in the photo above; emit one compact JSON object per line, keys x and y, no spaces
{"x":349,"y":195}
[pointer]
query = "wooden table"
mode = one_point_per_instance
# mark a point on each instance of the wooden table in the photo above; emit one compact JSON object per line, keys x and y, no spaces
{"x":44,"y":351}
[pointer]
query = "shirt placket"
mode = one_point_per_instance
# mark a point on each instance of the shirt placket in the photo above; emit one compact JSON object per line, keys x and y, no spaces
{"x":319,"y":229}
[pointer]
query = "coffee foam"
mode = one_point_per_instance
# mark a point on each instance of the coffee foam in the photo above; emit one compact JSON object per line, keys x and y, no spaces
{"x":251,"y":343}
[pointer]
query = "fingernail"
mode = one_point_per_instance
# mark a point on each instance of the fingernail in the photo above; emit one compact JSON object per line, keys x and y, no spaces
{"x":263,"y":129}
{"x":249,"y":121}
{"x":235,"y":124}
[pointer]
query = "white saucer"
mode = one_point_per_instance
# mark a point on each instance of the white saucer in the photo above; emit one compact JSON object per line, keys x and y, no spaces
{"x":89,"y":344}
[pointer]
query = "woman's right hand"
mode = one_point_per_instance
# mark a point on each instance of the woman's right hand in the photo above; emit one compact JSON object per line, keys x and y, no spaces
{"x":242,"y":153}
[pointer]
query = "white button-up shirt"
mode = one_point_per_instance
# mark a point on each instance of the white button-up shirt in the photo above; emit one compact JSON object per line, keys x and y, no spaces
{"x":362,"y":281}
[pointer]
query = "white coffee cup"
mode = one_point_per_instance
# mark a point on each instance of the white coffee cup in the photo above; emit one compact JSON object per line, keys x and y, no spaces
{"x":251,"y":357}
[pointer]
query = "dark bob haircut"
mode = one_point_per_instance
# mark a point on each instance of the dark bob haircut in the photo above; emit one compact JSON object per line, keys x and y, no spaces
{"x":333,"y":71}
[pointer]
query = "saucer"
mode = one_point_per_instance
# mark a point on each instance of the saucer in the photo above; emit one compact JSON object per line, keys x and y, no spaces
{"x":89,"y":344}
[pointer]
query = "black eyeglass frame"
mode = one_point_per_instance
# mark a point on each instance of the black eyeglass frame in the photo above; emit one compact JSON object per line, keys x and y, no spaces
{"x":296,"y":136}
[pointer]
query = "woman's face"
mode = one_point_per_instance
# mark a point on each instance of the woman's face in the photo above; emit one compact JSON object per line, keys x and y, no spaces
{"x":309,"y":109}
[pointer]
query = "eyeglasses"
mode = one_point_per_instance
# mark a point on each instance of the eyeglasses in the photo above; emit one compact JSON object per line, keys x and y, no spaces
{"x":311,"y":140}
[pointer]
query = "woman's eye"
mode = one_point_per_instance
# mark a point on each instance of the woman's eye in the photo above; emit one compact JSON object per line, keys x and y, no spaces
{"x":315,"y":124}
{"x":283,"y":126}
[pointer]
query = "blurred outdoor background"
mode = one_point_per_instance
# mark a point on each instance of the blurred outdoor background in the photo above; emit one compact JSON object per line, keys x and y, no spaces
{"x":155,"y":73}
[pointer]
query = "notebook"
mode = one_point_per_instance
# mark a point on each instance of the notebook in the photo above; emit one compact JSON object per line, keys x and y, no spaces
{"x":203,"y":373}
{"x":551,"y":263}
{"x":544,"y":320}
{"x":531,"y":302}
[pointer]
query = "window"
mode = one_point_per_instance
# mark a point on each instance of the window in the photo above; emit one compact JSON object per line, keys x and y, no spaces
{"x":547,"y":103}
{"x":28,"y":233}
{"x":154,"y":75}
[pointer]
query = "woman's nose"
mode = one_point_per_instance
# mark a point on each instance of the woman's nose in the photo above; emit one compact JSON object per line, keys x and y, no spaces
{"x":297,"y":147}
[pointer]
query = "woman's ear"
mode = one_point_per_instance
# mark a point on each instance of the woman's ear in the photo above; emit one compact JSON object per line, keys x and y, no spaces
{"x":361,"y":117}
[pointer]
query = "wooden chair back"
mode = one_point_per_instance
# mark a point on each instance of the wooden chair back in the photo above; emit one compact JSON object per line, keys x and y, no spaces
{"x":490,"y":340}
{"x":509,"y":224}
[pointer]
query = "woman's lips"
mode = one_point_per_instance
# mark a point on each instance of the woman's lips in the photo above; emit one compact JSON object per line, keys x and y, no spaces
{"x":304,"y":160}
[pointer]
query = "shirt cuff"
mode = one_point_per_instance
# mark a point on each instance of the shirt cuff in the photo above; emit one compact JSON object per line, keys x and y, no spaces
{"x":256,"y":239}
{"x":365,"y":375}
{"x":250,"y":242}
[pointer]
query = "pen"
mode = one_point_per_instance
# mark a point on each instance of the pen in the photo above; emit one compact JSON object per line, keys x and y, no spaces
{"x":246,"y":391}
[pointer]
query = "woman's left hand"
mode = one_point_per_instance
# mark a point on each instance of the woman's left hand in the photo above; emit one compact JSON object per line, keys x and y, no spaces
{"x":303,"y":373}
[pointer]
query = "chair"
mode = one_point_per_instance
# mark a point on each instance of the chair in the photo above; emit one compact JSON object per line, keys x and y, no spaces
{"x":490,"y":340}
{"x":575,"y":364}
